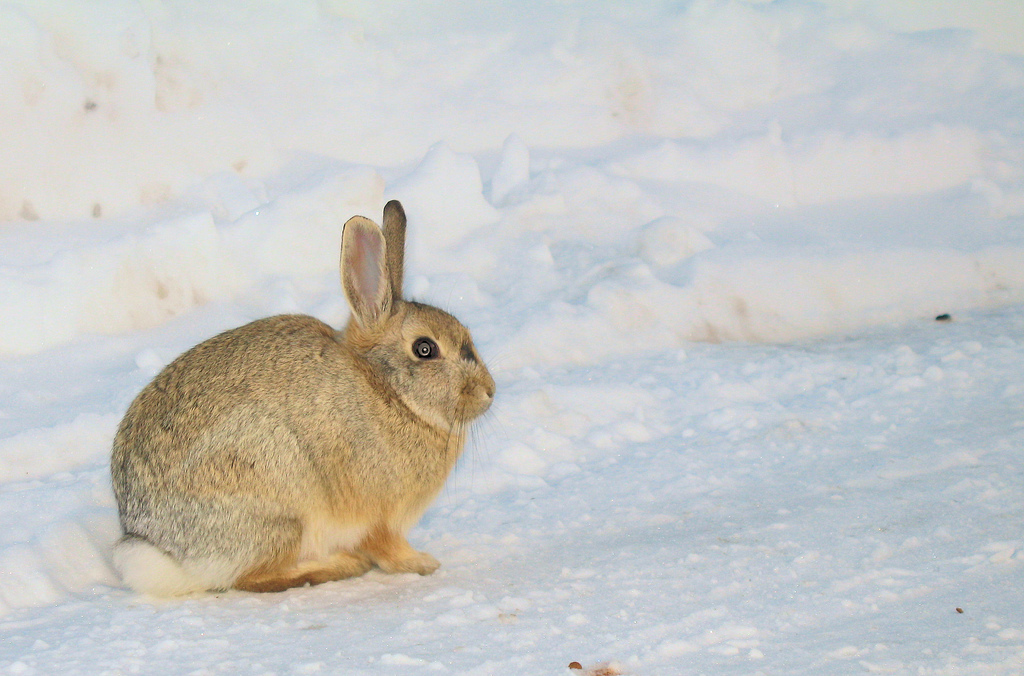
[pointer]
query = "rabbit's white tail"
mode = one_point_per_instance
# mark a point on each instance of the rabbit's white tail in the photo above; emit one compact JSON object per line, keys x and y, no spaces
{"x":149,"y":570}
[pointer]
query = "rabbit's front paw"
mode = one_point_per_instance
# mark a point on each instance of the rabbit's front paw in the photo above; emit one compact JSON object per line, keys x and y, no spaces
{"x":389,"y":549}
{"x":418,"y":562}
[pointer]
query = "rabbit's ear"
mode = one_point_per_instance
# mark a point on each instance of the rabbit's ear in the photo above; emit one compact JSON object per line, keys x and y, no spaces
{"x":364,"y":271}
{"x":394,"y":237}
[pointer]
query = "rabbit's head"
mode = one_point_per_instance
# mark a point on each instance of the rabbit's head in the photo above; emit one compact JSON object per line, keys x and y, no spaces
{"x":417,"y":353}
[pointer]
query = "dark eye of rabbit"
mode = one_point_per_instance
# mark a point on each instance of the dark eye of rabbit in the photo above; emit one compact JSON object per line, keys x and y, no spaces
{"x":425,"y":348}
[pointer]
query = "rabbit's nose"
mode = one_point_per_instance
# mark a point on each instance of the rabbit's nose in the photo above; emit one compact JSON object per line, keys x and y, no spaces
{"x":484,"y":391}
{"x":481,"y":394}
{"x":487,"y":386}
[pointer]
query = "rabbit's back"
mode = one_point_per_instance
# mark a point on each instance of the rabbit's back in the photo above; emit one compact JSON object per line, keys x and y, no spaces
{"x":235,"y":412}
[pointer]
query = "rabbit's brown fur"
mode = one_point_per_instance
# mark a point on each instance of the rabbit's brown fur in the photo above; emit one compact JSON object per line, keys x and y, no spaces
{"x":284,"y":452}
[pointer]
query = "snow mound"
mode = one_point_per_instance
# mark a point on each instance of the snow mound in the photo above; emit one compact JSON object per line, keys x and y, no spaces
{"x":444,"y":197}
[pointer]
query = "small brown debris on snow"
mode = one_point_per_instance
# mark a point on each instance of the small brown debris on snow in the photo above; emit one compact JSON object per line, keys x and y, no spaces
{"x":606,"y":669}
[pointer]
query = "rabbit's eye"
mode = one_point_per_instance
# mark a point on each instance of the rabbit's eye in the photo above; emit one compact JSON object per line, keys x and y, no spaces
{"x":425,"y":348}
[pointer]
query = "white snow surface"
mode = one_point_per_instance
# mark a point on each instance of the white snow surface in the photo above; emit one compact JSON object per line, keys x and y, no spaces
{"x":702,"y":246}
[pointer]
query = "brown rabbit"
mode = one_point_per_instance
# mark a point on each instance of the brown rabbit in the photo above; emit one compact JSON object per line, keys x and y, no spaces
{"x":284,"y":452}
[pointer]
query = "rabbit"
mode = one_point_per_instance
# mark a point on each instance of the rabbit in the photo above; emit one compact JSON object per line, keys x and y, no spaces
{"x":284,"y":453}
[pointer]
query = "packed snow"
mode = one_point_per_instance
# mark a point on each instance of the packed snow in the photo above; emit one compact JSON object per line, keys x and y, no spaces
{"x":749,"y":276}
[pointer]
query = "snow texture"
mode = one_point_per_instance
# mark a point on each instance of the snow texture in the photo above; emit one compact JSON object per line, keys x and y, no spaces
{"x":749,"y":276}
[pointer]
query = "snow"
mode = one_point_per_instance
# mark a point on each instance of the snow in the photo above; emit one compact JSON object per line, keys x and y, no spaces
{"x":703,"y":247}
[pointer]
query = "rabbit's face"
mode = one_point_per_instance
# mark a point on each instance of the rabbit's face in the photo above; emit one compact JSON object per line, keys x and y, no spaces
{"x":430,"y":361}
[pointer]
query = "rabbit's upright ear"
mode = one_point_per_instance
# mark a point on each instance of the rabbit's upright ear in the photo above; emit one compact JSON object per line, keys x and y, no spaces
{"x":364,"y":273}
{"x":394,"y":238}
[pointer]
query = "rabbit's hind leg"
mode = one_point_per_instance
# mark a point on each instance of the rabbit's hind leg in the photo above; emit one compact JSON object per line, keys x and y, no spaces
{"x":187,"y":544}
{"x":279,"y":576}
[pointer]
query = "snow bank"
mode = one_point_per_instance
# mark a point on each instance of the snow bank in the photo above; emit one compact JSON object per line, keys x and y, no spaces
{"x":159,"y":166}
{"x":823,"y":168}
{"x":129,"y":104}
{"x":112,"y":278}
